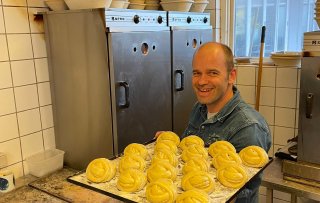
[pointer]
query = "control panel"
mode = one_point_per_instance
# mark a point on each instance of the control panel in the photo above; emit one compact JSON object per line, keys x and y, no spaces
{"x":188,"y":19}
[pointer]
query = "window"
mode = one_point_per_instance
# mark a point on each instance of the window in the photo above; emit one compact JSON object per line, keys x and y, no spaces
{"x":285,"y":21}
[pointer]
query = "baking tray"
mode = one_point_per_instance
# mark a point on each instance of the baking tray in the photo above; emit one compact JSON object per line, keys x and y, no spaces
{"x":220,"y":193}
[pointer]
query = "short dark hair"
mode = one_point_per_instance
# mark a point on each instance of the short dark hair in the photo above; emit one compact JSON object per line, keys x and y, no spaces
{"x":229,"y":57}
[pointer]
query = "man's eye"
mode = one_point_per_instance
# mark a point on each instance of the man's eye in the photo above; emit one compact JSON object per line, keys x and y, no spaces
{"x":213,"y":73}
{"x":195,"y":74}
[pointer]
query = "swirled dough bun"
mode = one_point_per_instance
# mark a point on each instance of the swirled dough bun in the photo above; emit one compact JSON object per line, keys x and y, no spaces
{"x":232,"y":175}
{"x":100,"y":170}
{"x":161,"y":169}
{"x":166,"y":144}
{"x":224,"y":158}
{"x":165,"y":154}
{"x":191,"y":140}
{"x":193,"y":196}
{"x":168,"y":135}
{"x":131,"y":180}
{"x":196,"y":151}
{"x":160,"y":191}
{"x":254,"y":156}
{"x":198,"y":180}
{"x":132,"y":161}
{"x":138,"y":149}
{"x":195,"y":164}
{"x":219,"y":146}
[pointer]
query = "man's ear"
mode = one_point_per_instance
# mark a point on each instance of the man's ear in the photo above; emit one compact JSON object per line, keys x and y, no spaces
{"x":232,"y":76}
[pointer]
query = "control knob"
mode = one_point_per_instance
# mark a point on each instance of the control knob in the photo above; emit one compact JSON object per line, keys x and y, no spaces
{"x":205,"y":19}
{"x":160,"y":20}
{"x":189,"y":19}
{"x":136,"y":19}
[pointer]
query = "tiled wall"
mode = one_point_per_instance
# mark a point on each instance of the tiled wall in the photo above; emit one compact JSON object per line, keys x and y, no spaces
{"x":26,"y":124}
{"x":214,"y":9}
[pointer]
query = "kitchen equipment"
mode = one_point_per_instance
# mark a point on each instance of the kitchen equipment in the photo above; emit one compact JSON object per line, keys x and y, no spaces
{"x":188,"y":31}
{"x":110,"y":79}
{"x":7,"y":181}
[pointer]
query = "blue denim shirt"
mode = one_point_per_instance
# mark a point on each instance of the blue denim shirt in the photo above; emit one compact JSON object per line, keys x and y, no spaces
{"x":236,"y":122}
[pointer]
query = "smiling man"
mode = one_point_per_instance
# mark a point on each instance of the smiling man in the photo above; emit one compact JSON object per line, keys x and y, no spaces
{"x":220,"y":113}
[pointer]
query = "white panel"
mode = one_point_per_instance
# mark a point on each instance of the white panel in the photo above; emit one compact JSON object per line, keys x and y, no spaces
{"x":29,"y":121}
{"x":267,"y":96}
{"x":287,"y":77}
{"x":3,"y":48}
{"x":20,"y":46}
{"x":23,"y":72}
{"x":49,"y":138}
{"x":286,"y":97}
{"x":39,"y":45}
{"x":5,"y":75}
{"x":12,"y":150}
{"x":8,"y":127}
{"x":16,"y":19}
{"x":42,"y":70}
{"x":282,"y":135}
{"x":246,"y":75}
{"x":285,"y":117}
{"x":31,"y":144}
{"x":247,"y":93}
{"x":268,"y":78}
{"x":268,"y":113}
{"x":26,"y":97}
{"x":46,"y":116}
{"x":44,"y":93}
{"x":7,"y":105}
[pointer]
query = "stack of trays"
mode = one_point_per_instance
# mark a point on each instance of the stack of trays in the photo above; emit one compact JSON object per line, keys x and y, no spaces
{"x":137,"y":4}
{"x":152,"y":5}
{"x":199,"y":6}
{"x":119,"y":4}
{"x":176,"y":5}
{"x":286,"y":58}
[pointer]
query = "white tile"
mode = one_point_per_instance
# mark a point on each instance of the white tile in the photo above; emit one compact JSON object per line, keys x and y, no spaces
{"x":12,"y":149}
{"x":46,"y":116}
{"x":16,"y":19}
{"x":267,"y":96}
{"x":268,"y":78}
{"x":282,"y":135}
{"x":36,"y":24}
{"x":5,"y":75}
{"x":218,"y":18}
{"x":29,"y":121}
{"x":216,"y":34}
{"x":49,"y":138}
{"x":268,"y":113}
{"x":39,"y":45}
{"x":14,"y":2}
{"x":2,"y":30}
{"x":3,"y":48}
{"x":262,"y":198}
{"x":31,"y":144}
{"x":36,"y":3}
{"x":286,"y":97}
{"x":8,"y":127}
{"x":298,"y":98}
{"x":7,"y":105}
{"x":26,"y":97}
{"x":247,"y":93}
{"x":17,"y":169}
{"x":42,"y":70}
{"x":285,"y":117}
{"x":246,"y":75}
{"x":287,"y":77}
{"x":282,"y":195}
{"x":20,"y":46}
{"x":23,"y":72}
{"x":44,"y":93}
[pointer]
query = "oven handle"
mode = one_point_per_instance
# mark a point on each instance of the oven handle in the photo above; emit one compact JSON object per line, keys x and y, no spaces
{"x":309,"y":104}
{"x":126,"y":91}
{"x":181,"y":79}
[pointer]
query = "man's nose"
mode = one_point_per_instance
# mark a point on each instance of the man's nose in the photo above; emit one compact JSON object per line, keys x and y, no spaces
{"x":203,"y":79}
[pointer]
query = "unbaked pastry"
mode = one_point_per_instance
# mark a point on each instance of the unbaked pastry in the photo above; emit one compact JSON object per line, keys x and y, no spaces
{"x":194,"y":151}
{"x":135,"y":148}
{"x":161,"y":169}
{"x":167,"y":144}
{"x":220,"y":145}
{"x":198,"y":180}
{"x":254,"y":156}
{"x":132,"y":161}
{"x":169,"y":135}
{"x":232,"y":175}
{"x":160,"y":191}
{"x":191,"y":140}
{"x":165,"y":154}
{"x":193,"y":196}
{"x":131,"y":180}
{"x":100,"y":170}
{"x":225,"y":157}
{"x":195,"y":164}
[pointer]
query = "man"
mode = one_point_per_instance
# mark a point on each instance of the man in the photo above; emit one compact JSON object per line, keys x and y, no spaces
{"x":220,"y":113}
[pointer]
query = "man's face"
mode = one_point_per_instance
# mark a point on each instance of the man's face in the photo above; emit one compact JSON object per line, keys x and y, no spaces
{"x":210,"y":79}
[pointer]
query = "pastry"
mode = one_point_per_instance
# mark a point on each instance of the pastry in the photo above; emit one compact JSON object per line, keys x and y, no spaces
{"x":221,"y":145}
{"x":195,"y":164}
{"x":193,"y":196}
{"x":132,"y":161}
{"x":165,"y":154}
{"x":191,"y":140}
{"x":135,"y":148}
{"x":100,"y":170}
{"x":160,"y":191}
{"x":161,"y":169}
{"x":168,"y":135}
{"x":167,"y":144}
{"x":198,"y":180}
{"x":191,"y":151}
{"x":254,"y":156}
{"x":131,"y":180}
{"x":225,"y":157}
{"x":232,"y":175}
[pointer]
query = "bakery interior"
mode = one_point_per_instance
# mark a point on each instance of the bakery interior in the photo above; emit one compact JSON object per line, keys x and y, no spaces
{"x":52,"y":127}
